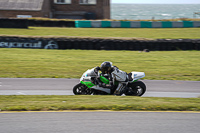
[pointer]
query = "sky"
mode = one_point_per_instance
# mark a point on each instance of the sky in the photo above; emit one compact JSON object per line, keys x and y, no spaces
{"x":158,"y":1}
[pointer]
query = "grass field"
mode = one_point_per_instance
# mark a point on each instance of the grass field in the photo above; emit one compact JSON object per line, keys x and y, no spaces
{"x":54,"y":103}
{"x":41,"y":63}
{"x":151,"y":33}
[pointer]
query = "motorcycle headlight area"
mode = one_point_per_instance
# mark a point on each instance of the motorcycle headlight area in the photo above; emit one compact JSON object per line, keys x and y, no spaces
{"x":86,"y":79}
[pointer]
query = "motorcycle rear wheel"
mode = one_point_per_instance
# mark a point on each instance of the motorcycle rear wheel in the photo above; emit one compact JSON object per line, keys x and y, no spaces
{"x":81,"y":89}
{"x":136,"y":89}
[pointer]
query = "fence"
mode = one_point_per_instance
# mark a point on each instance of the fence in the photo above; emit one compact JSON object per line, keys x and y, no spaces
{"x":136,"y":24}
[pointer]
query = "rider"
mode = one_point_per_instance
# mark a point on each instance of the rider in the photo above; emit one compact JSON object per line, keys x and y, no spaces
{"x":112,"y":73}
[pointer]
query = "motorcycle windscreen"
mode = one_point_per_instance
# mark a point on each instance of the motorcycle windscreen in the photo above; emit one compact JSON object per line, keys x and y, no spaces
{"x":90,"y":73}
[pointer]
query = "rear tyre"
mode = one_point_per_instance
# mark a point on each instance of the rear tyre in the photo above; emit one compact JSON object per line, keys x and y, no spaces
{"x":81,"y":89}
{"x":136,"y":89}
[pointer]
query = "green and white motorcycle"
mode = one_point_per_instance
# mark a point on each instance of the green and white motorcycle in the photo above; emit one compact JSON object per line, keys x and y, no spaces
{"x":130,"y":85}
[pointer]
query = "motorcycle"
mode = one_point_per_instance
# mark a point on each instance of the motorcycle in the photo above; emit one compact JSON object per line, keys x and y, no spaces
{"x":89,"y":84}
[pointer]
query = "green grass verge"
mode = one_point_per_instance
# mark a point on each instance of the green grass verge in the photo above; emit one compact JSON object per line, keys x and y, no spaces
{"x":41,"y":63}
{"x":54,"y":103}
{"x":152,"y":33}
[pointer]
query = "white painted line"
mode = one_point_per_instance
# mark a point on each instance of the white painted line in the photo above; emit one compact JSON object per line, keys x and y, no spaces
{"x":21,"y":93}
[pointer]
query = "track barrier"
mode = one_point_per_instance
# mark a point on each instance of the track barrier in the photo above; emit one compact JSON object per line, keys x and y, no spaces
{"x":24,"y":23}
{"x":13,"y":23}
{"x":137,"y":24}
{"x":100,"y":44}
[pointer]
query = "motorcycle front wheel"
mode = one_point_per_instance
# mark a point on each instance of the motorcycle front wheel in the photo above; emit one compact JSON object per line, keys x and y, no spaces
{"x":136,"y":89}
{"x":81,"y":89}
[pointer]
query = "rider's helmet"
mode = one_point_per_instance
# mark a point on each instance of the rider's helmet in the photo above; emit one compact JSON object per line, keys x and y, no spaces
{"x":106,"y":67}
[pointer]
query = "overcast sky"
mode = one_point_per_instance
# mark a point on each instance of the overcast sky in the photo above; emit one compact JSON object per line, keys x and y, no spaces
{"x":158,"y":1}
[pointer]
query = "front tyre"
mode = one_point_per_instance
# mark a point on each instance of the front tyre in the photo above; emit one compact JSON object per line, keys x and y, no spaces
{"x":136,"y":89}
{"x":81,"y":89}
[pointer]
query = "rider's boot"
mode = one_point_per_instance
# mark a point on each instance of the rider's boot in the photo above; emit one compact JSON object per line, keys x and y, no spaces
{"x":119,"y":90}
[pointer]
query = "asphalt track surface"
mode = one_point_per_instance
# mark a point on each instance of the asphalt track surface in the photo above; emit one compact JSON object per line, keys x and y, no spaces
{"x":100,"y":122}
{"x":53,"y":86}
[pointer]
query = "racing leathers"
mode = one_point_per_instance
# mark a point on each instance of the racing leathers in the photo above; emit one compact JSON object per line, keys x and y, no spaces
{"x":114,"y":76}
